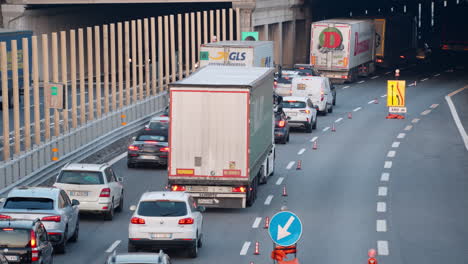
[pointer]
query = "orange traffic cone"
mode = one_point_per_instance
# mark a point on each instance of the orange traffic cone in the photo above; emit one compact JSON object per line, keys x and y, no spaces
{"x":333,"y":129}
{"x":299,"y":165}
{"x":314,"y":147}
{"x":257,"y":248}
{"x":350,"y":115}
{"x":267,"y":223}
{"x":284,"y":191}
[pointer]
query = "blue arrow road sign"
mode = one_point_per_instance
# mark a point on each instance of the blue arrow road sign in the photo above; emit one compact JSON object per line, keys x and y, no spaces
{"x":285,"y":228}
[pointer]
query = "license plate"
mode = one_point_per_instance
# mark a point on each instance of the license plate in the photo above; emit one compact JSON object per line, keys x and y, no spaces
{"x":78,"y":193}
{"x":292,"y":114}
{"x":149,"y":157}
{"x":12,"y":258}
{"x":198,"y":188}
{"x":156,"y":236}
{"x":205,"y":201}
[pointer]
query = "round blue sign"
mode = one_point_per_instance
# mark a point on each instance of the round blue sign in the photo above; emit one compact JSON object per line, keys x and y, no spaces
{"x":285,"y":228}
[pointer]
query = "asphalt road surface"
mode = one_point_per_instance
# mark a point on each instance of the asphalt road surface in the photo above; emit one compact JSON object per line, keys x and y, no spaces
{"x":398,"y":186}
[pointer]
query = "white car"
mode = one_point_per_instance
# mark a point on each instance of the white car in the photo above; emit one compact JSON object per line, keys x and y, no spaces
{"x":95,"y":186}
{"x":300,"y":112}
{"x":165,"y":220}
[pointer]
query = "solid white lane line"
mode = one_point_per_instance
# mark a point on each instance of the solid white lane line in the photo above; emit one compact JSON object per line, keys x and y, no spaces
{"x":395,"y":144}
{"x":385,"y":177}
{"x":338,"y":120}
{"x":268,"y":199}
{"x":361,"y":81}
{"x":381,"y":207}
{"x":414,"y":121}
{"x":371,"y":102}
{"x":434,"y":106}
{"x":290,"y":164}
{"x":313,"y":139}
{"x":381,"y":226}
{"x":256,"y":223}
{"x":357,"y":109}
{"x":245,"y":248}
{"x":382,"y":248}
{"x":388,"y":165}
{"x":391,"y":154}
{"x":456,"y":118}
{"x":425,"y":79}
{"x":113,"y":246}
{"x":382,"y":191}
{"x":325,"y":129}
{"x":383,"y":96}
{"x":116,"y":159}
{"x":375,"y":77}
{"x":437,"y":74}
{"x":408,"y":127}
{"x":279,"y":181}
{"x":401,"y":135}
{"x":346,"y":87}
{"x":301,"y":151}
{"x":426,"y":112}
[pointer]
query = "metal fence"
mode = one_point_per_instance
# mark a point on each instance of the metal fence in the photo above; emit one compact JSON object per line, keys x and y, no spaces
{"x":108,"y":72}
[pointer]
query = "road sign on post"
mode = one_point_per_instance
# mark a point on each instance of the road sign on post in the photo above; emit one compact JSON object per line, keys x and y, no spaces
{"x":396,"y":93}
{"x":285,"y":228}
{"x":54,"y":95}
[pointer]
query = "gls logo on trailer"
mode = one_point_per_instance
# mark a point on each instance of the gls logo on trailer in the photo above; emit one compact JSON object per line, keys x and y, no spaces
{"x":221,"y":55}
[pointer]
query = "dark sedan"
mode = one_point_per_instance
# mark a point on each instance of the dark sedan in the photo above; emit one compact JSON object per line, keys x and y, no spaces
{"x":148,"y":147}
{"x":281,"y":127}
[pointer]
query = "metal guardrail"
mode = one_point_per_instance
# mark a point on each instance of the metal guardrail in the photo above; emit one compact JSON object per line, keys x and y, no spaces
{"x":36,"y":166}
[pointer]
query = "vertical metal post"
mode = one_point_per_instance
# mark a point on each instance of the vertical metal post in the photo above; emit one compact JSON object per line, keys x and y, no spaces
{"x":140,"y":59}
{"x":193,"y":41}
{"x":35,"y":78}
{"x":89,"y":35}
{"x":231,"y":26}
{"x":120,"y":63}
{"x":45,"y":78}
{"x":134,"y":62}
{"x":55,"y":79}
{"x":218,"y":25}
{"x":199,"y":36}
{"x":160,"y":54}
{"x":112,"y":67}
{"x":82,"y":76}
{"x":166,"y":49}
{"x":153,"y":55}
{"x":105,"y":53}
{"x":127,"y":62}
{"x":173,"y":57}
{"x":73,"y":76}
{"x":147,"y":56}
{"x":26,"y":95}
{"x":187,"y":46}
{"x":6,"y":112}
{"x":223,"y":23}
{"x":179,"y":46}
{"x":16,"y":115}
{"x":63,"y":55}
{"x":212,"y":19}
{"x":238,"y":25}
{"x":97,"y":57}
{"x":205,"y":27}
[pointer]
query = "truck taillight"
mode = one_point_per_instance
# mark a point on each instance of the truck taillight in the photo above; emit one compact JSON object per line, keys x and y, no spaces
{"x":240,"y":189}
{"x":186,"y":221}
{"x":379,"y":61}
{"x":177,"y":188}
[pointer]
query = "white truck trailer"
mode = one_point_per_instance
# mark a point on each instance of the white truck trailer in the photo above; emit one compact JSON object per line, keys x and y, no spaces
{"x":343,"y":49}
{"x":237,"y":53}
{"x":221,"y":134}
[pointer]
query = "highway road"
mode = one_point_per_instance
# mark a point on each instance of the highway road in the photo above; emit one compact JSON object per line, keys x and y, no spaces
{"x":395,"y":185}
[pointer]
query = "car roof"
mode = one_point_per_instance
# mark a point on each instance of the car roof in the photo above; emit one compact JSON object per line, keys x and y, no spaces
{"x":159,"y":118}
{"x":85,"y":167}
{"x":150,"y":196}
{"x":17,"y":223}
{"x":42,"y":192}
{"x":294,"y":98}
{"x":137,"y":258}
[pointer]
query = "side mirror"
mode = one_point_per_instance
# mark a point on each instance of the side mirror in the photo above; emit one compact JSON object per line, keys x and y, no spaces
{"x":201,"y":209}
{"x":75,"y":202}
{"x":133,"y":138}
{"x":2,"y":200}
{"x":133,"y":208}
{"x":146,"y":126}
{"x":120,"y":179}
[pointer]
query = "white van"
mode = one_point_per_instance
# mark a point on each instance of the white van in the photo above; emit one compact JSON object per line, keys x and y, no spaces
{"x":315,"y":88}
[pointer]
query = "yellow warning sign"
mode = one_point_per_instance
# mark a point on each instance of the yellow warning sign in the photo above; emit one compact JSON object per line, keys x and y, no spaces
{"x":396,"y":93}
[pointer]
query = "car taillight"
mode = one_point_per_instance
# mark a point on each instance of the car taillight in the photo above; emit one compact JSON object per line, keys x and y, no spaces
{"x":165,"y":149}
{"x":186,"y":221}
{"x":105,"y":192}
{"x":240,"y":189}
{"x":150,"y":141}
{"x":178,"y":188}
{"x":445,"y":47}
{"x":379,"y":60}
{"x":275,"y":84}
{"x":132,"y":147}
{"x":33,"y":241}
{"x":34,"y":255}
{"x":281,"y":123}
{"x":322,"y":96}
{"x":5,"y":217}
{"x":307,"y":111}
{"x":402,"y":57}
{"x":137,"y":221}
{"x":147,"y":129}
{"x":344,"y":76}
{"x":53,"y":218}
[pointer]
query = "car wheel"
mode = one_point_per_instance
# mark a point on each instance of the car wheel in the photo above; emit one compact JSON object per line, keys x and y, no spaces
{"x":334,"y":100}
{"x":284,"y":140}
{"x":132,"y":248}
{"x":325,"y":111}
{"x":193,"y":251}
{"x":287,"y":139}
{"x":61,"y":248}
{"x":121,"y":203}
{"x":314,"y":126}
{"x":330,"y":109}
{"x":109,"y":215}
{"x":308,"y":128}
{"x":200,"y":242}
{"x":74,"y":238}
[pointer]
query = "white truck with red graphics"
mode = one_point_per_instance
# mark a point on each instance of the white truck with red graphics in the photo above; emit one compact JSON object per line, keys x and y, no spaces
{"x":343,"y":49}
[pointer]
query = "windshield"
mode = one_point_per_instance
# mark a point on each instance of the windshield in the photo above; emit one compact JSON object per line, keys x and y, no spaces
{"x":163,"y":126}
{"x":29,"y":203}
{"x":294,"y":104}
{"x":81,"y":177}
{"x":14,"y":238}
{"x":151,"y":137}
{"x":162,"y":208}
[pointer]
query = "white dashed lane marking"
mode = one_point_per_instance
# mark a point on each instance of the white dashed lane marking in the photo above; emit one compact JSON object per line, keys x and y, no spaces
{"x":408,"y":127}
{"x":382,"y":248}
{"x":383,"y":96}
{"x":346,"y":87}
{"x":245,"y":248}
{"x":338,"y":120}
{"x":385,"y":177}
{"x":256,"y":223}
{"x":290,"y":164}
{"x":375,"y":77}
{"x":388,"y":165}
{"x":268,"y":199}
{"x":357,"y":109}
{"x":437,"y":74}
{"x":313,"y":139}
{"x":371,"y":102}
{"x":414,"y":121}
{"x":395,"y":144}
{"x":434,"y":106}
{"x":425,"y":79}
{"x":426,"y":112}
{"x":113,"y":246}
{"x":325,"y":129}
{"x":381,"y":207}
{"x":361,"y":81}
{"x":401,"y":135}
{"x":381,"y":226}
{"x":301,"y":151}
{"x":382,"y":191}
{"x":391,"y":154}
{"x":279,"y":181}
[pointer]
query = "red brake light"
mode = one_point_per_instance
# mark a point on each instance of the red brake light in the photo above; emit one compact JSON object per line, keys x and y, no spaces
{"x":379,"y":60}
{"x":178,"y":188}
{"x":132,"y":147}
{"x":301,"y":68}
{"x":150,"y":141}
{"x":281,"y":123}
{"x":137,"y":221}
{"x":165,"y":149}
{"x":186,"y":221}
{"x":5,"y":217}
{"x":344,"y":77}
{"x":105,"y":192}
{"x":54,"y":218}
{"x":33,"y":241}
{"x":445,"y":47}
{"x":402,"y":57}
{"x":307,"y":111}
{"x":240,"y":189}
{"x":7,"y":229}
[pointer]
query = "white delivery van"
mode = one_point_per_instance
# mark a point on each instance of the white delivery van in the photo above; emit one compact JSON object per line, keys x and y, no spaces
{"x":317,"y":89}
{"x":237,"y":53}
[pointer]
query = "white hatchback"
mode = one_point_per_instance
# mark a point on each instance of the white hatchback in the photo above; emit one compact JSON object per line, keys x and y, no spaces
{"x":166,"y":220}
{"x":95,"y":186}
{"x":300,"y":112}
